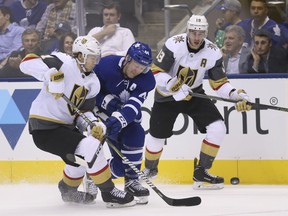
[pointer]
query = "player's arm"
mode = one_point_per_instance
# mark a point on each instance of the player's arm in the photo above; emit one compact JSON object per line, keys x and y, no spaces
{"x":131,"y":110}
{"x":37,"y":66}
{"x":175,"y":86}
{"x":98,"y":129}
{"x":220,"y":83}
{"x":163,"y":63}
{"x":45,"y":68}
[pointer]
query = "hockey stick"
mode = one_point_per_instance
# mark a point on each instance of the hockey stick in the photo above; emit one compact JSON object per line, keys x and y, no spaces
{"x":75,"y":158}
{"x":254,"y":105}
{"x":191,"y":201}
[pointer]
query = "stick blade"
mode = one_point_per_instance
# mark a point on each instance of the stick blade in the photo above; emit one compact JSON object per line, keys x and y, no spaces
{"x":191,"y":201}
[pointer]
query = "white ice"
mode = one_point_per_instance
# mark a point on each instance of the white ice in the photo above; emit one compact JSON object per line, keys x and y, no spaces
{"x":233,"y":200}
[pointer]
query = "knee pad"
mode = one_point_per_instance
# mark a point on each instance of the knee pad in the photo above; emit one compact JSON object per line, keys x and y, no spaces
{"x":73,"y":172}
{"x":87,"y":148}
{"x":216,"y":132}
{"x":154,"y":144}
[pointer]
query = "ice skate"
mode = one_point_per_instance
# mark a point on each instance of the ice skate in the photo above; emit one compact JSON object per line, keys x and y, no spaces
{"x":117,"y":198}
{"x":203,"y":180}
{"x":89,"y":186}
{"x":71,"y":194}
{"x":150,"y":173}
{"x":133,"y":187}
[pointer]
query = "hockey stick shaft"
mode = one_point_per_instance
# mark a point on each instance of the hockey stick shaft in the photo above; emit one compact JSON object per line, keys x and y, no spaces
{"x":74,"y":158}
{"x":254,"y":105}
{"x":191,"y":201}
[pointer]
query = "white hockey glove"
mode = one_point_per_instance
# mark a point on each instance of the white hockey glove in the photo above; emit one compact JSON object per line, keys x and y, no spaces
{"x":241,"y":96}
{"x":175,"y":84}
{"x":182,"y":94}
{"x":55,"y":80}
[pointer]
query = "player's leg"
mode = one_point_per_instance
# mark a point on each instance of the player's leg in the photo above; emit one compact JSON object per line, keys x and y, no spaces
{"x":162,"y":119}
{"x":101,"y":175}
{"x":209,"y":121}
{"x":131,"y":145}
{"x":62,"y":141}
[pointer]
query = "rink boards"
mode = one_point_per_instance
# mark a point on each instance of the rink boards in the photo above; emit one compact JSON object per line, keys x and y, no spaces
{"x":255,"y":148}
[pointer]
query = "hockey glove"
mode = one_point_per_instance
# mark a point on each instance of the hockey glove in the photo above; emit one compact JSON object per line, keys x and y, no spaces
{"x":111,"y":104}
{"x":98,"y":130}
{"x":182,"y":94}
{"x":55,"y":80}
{"x":114,"y":125}
{"x":184,"y":77}
{"x":243,"y":100}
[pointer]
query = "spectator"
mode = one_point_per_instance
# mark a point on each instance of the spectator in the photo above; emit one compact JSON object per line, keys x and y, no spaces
{"x":58,"y":12}
{"x":27,"y":13}
{"x":284,"y":25}
{"x":31,"y":44}
{"x":235,"y":51}
{"x":66,"y":43}
{"x":260,"y":20}
{"x":53,"y":44}
{"x":264,"y":57}
{"x":114,"y":40}
{"x":10,"y":35}
{"x":231,"y":16}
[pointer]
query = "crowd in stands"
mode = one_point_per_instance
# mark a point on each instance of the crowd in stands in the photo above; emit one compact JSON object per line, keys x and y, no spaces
{"x":260,"y":48}
{"x":257,"y":44}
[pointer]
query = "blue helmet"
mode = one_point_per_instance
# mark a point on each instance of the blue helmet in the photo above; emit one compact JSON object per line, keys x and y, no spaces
{"x":141,"y":53}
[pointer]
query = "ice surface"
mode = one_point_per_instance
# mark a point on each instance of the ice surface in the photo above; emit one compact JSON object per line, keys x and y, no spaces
{"x":233,"y":200}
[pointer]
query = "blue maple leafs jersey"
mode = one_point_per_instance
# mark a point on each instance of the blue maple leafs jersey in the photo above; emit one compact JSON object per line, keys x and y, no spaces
{"x":131,"y":92}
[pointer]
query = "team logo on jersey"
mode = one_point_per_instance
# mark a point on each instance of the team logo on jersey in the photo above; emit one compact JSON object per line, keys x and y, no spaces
{"x":124,"y":95}
{"x":190,"y":74}
{"x":178,"y":39}
{"x":77,"y":97}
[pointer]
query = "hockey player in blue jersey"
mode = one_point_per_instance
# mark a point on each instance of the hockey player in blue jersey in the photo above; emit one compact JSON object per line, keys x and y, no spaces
{"x":125,"y":84}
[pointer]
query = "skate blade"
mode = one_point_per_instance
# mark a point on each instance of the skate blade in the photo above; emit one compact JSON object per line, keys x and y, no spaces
{"x":206,"y":186}
{"x":79,"y":203}
{"x":143,"y":200}
{"x":117,"y":205}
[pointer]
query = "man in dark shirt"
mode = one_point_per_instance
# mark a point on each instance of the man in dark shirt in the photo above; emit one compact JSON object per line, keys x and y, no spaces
{"x":265,"y":57}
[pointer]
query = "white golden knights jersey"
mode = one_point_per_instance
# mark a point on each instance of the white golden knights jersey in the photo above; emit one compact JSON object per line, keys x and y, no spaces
{"x":81,"y":88}
{"x":176,"y":55}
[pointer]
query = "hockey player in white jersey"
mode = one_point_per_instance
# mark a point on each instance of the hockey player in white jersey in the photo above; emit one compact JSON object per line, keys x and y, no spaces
{"x":180,"y":67}
{"x":56,"y":128}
